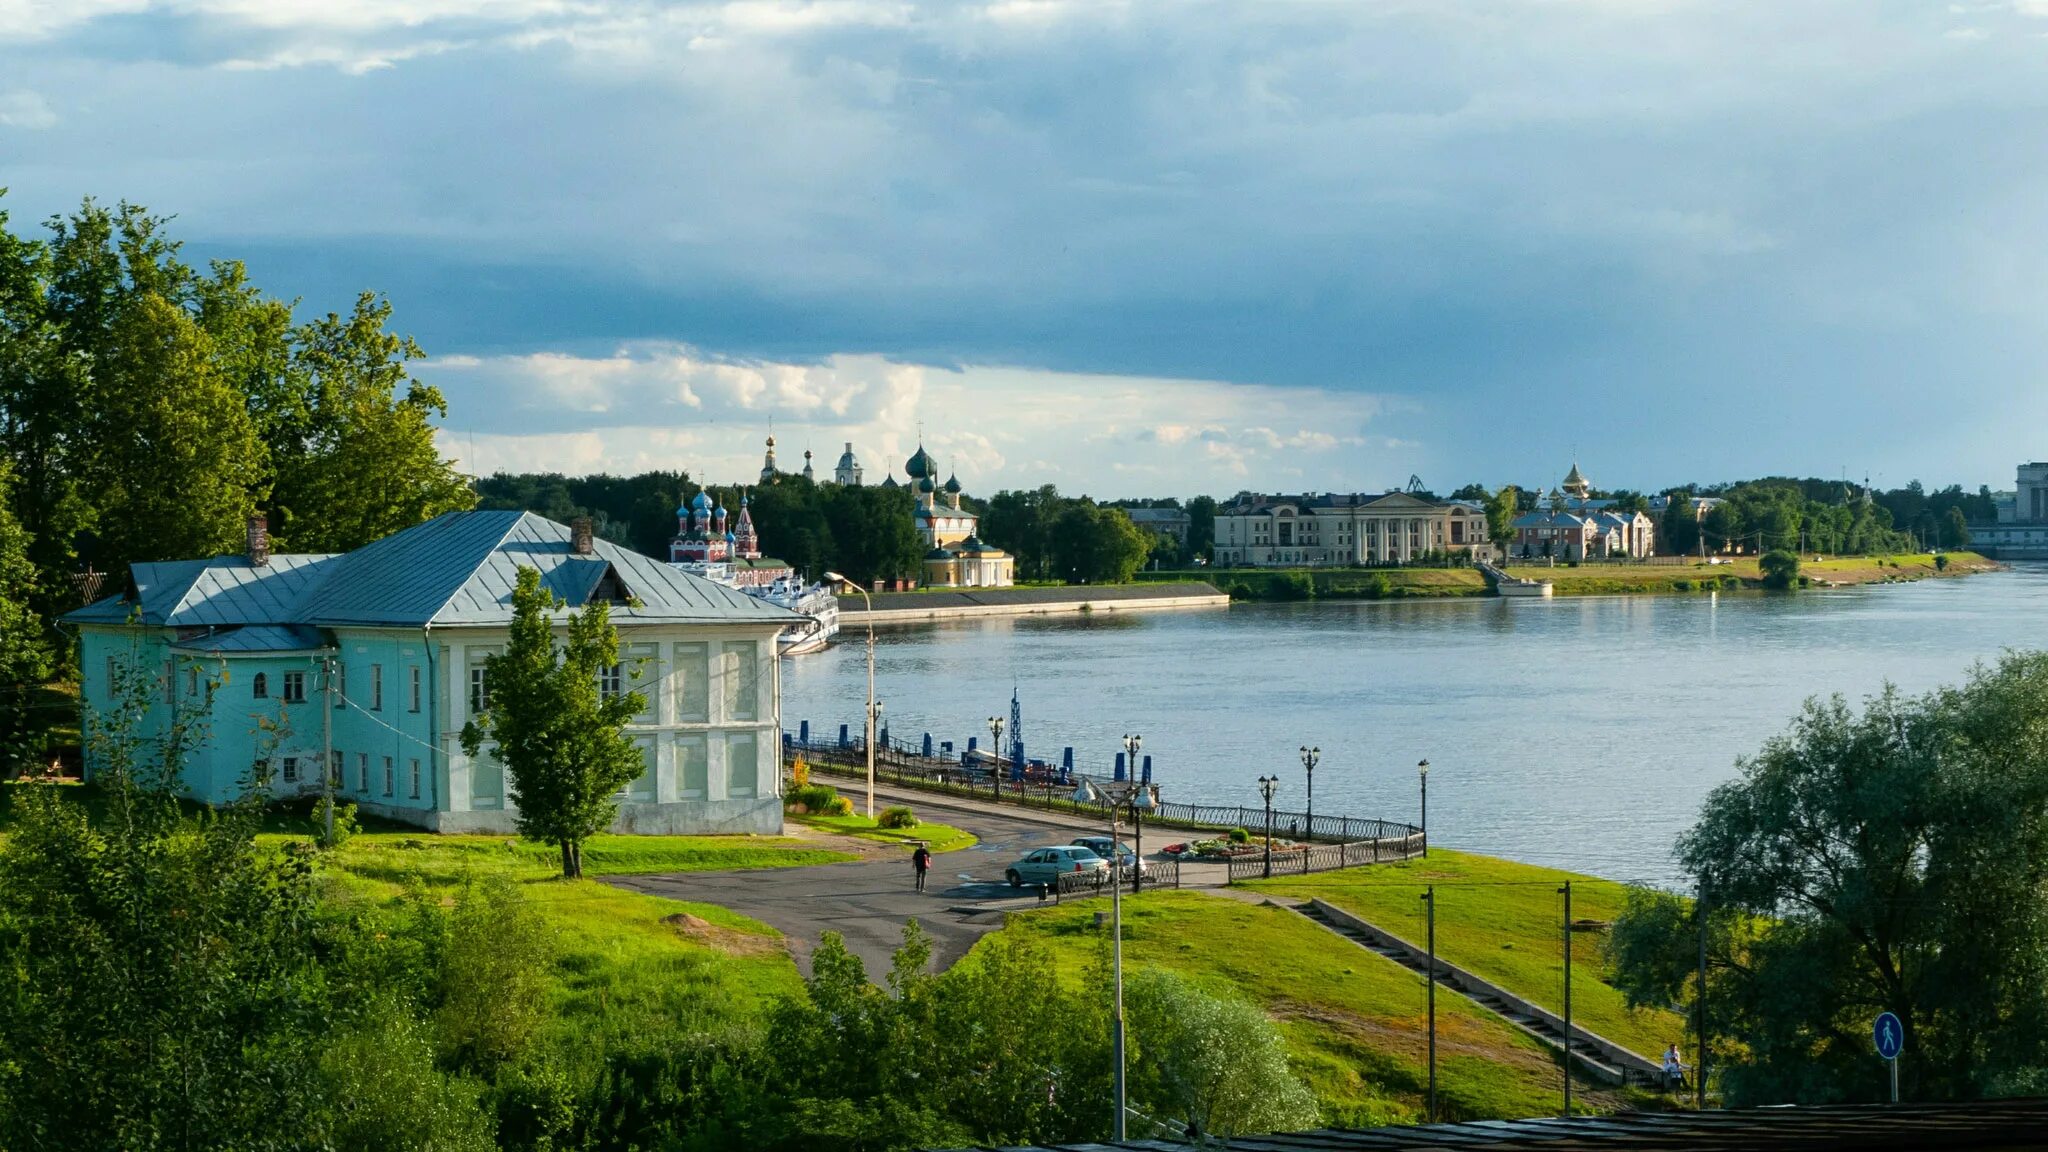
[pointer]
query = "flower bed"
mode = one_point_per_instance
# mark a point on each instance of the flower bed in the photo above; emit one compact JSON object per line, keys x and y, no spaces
{"x":1227,"y":850}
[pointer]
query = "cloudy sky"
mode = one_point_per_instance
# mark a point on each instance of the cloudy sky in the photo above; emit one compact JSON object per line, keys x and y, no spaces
{"x":1124,"y":247}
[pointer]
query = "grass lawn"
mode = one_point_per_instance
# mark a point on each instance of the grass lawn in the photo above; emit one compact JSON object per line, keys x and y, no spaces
{"x":1502,"y":920}
{"x":1355,"y":1024}
{"x":939,"y":837}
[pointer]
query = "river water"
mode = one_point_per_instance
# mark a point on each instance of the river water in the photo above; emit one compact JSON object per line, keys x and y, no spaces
{"x":1580,"y":732}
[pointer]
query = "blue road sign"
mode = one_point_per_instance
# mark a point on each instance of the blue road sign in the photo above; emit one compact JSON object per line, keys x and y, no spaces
{"x":1888,"y":1035}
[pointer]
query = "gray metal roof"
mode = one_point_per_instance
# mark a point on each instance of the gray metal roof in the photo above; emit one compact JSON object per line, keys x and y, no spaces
{"x":224,"y":591}
{"x":256,"y":638}
{"x":458,"y":568}
{"x":461,"y":567}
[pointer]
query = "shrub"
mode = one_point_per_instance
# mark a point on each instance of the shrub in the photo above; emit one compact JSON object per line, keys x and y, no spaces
{"x":1682,"y":585}
{"x":1293,"y":586}
{"x":840,"y":806}
{"x":896,"y":817}
{"x":345,"y":824}
{"x":799,"y":774}
{"x":1780,"y":569}
{"x":1240,"y":836}
{"x":1941,"y":562}
{"x":810,"y":798}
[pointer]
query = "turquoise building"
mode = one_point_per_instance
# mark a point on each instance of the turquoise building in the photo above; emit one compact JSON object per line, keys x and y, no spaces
{"x":367,"y":665}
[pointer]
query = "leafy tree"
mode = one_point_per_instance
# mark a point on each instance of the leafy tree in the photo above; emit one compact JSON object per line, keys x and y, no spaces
{"x":1201,"y":528}
{"x":357,"y":462}
{"x":1679,"y":527}
{"x":1890,"y":859}
{"x":562,"y":742}
{"x":1780,"y":569}
{"x":1501,"y":509}
{"x":1955,"y":530}
{"x":24,"y":648}
{"x":1219,"y":1065}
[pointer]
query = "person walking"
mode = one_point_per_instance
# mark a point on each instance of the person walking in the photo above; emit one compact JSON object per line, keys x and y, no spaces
{"x":921,"y":860}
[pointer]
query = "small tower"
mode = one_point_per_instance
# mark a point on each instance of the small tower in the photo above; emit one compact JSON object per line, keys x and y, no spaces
{"x":1576,"y":485}
{"x":768,"y":462}
{"x":953,"y":492}
{"x":746,"y":543}
{"x":848,"y":470}
{"x":807,"y":475}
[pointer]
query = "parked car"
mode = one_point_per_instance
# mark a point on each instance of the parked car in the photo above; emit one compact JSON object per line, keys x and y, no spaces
{"x":1044,"y":865}
{"x":1128,"y":859}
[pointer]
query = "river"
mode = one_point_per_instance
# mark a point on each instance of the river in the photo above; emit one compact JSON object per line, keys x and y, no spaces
{"x":1580,"y":732}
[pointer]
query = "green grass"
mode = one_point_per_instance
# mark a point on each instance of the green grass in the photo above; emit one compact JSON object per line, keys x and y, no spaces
{"x":938,"y":837}
{"x":1503,"y":921}
{"x":1355,"y":1023}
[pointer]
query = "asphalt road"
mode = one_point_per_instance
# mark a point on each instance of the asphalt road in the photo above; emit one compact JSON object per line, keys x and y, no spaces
{"x":868,"y":901}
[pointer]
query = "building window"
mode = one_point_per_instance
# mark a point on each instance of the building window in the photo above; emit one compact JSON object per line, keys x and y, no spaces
{"x":363,"y":773}
{"x":387,"y":776}
{"x":414,"y":674}
{"x":415,"y":779}
{"x":479,"y":694}
{"x":291,"y":769}
{"x":260,"y":686}
{"x":295,"y":687}
{"x":376,"y":687}
{"x":611,"y":682}
{"x":336,"y":764}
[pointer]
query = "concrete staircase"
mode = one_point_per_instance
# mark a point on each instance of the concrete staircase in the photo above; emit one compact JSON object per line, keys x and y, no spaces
{"x":1595,"y":1056}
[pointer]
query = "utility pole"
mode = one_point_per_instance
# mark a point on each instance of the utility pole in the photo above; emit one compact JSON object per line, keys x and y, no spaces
{"x":1567,"y":890}
{"x":1699,"y":1004}
{"x":1429,"y":904}
{"x":327,"y":750}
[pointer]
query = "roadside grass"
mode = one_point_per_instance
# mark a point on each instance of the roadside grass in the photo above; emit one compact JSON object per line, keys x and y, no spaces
{"x":938,"y":837}
{"x":1504,"y":921}
{"x":1355,"y":1023}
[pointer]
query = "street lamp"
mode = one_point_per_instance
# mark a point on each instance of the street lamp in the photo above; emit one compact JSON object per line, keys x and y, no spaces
{"x":1422,"y":770}
{"x":1116,"y":794}
{"x":1131,"y":745}
{"x":1266,"y":786}
{"x":1310,"y":757}
{"x":874,"y":709}
{"x":995,"y":755}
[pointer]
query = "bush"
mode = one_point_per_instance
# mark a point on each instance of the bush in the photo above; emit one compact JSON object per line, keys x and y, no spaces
{"x":896,"y":817}
{"x":345,"y":823}
{"x":1682,"y":585}
{"x":1780,"y":569}
{"x":799,"y":774}
{"x":810,"y":798}
{"x":1293,"y":586}
{"x":1240,"y":836}
{"x":840,"y":806}
{"x":1941,"y":562}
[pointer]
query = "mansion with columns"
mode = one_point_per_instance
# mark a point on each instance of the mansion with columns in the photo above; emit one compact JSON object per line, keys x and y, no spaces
{"x":366,"y":665}
{"x":1335,"y":528}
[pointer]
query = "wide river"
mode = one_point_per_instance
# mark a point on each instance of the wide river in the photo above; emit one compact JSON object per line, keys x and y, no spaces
{"x":1582,"y":732}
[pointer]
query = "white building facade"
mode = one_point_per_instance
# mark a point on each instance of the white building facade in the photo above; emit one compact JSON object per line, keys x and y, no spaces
{"x":1257,"y":531}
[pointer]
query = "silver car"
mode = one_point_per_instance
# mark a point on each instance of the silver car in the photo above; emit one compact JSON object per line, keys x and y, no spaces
{"x":1126,"y":859}
{"x":1045,"y":865}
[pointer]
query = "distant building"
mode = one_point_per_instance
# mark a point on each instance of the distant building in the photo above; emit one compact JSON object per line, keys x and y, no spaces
{"x":2021,"y":530}
{"x":848,"y":471}
{"x":808,"y":473}
{"x":1171,"y":523}
{"x":1562,"y":535}
{"x":1259,"y":531}
{"x":704,"y":546}
{"x":768,"y":470}
{"x":237,"y":647}
{"x":955,"y":556}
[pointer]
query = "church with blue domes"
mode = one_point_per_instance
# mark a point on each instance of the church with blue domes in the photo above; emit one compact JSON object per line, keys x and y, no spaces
{"x":957,"y":557}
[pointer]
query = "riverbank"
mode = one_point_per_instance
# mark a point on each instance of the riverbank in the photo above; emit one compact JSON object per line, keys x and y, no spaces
{"x":1596,"y":579}
{"x":956,"y":603}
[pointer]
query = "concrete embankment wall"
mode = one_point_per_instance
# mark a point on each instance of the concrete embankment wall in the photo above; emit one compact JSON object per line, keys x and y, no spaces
{"x":918,"y":607}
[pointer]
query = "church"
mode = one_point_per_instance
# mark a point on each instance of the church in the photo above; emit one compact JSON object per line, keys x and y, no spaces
{"x":705,"y":546}
{"x":956,"y":556}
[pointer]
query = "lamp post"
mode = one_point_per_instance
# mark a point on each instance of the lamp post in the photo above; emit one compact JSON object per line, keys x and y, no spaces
{"x":995,"y":755}
{"x":1310,"y":757}
{"x":873,"y":710}
{"x":1131,"y":745}
{"x":1422,"y":771}
{"x":1266,"y":786}
{"x":1116,"y":794}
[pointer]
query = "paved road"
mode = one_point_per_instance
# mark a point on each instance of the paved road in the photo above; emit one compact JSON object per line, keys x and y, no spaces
{"x":868,"y":901}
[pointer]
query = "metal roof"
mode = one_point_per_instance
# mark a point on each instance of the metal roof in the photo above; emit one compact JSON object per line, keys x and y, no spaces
{"x":1981,"y":1124}
{"x":256,"y":638}
{"x":458,"y":568}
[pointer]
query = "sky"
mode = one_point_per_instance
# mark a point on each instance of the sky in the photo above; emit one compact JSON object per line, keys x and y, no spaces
{"x":1125,"y":247}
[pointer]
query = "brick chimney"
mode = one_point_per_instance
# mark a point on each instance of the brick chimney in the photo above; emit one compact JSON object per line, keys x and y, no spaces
{"x":259,"y":542}
{"x":579,"y":536}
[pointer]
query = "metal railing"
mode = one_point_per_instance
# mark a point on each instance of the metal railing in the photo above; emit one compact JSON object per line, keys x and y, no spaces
{"x":1326,"y":857}
{"x":907,"y":769}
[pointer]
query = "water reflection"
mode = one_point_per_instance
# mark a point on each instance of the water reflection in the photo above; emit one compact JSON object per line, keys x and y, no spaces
{"x":1580,"y":732}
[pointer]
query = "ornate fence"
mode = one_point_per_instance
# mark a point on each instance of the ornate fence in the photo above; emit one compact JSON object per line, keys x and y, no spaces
{"x":1328,"y":857}
{"x":1347,"y":836}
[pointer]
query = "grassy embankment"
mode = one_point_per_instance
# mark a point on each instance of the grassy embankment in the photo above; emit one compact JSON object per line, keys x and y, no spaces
{"x":937,"y":837}
{"x":1356,"y":1024}
{"x":1585,"y":580}
{"x":1503,"y":921}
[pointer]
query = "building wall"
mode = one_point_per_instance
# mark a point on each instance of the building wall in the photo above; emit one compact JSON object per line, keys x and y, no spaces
{"x":1287,"y":535}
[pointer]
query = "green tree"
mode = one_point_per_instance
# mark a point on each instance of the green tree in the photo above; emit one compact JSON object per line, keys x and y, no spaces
{"x":175,"y":465}
{"x":1201,"y":528}
{"x":1780,"y":569}
{"x":1890,"y":859}
{"x":1501,"y":509}
{"x":1095,"y":545}
{"x":25,"y":659}
{"x":562,"y":742}
{"x":1955,"y":530}
{"x":357,"y":461}
{"x":1218,"y":1065}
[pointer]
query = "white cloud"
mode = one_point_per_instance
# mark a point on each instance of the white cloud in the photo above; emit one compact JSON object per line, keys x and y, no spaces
{"x":671,"y":406}
{"x":25,"y":109}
